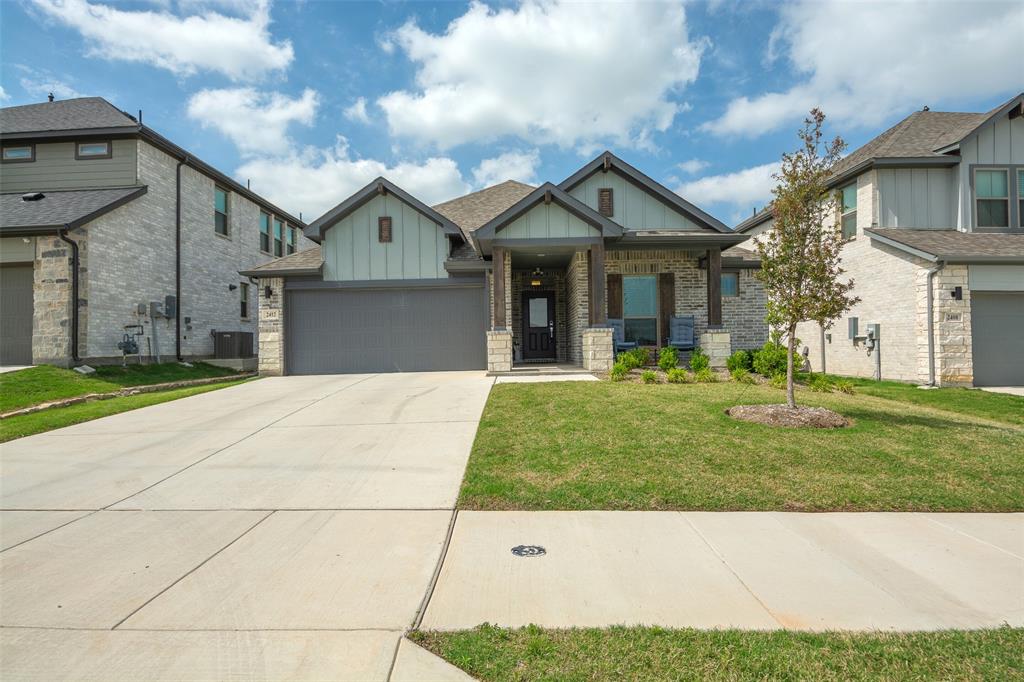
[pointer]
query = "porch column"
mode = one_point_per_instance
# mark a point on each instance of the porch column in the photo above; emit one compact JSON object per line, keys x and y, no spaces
{"x":596,"y":274}
{"x":714,"y":287}
{"x":498,"y":274}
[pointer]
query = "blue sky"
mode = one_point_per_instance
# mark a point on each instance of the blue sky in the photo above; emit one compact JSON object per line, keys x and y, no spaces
{"x":310,"y":100}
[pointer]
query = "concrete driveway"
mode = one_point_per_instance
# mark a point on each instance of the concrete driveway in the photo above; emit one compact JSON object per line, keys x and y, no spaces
{"x":283,"y":528}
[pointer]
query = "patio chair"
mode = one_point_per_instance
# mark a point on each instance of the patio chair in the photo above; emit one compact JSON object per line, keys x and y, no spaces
{"x":681,"y":332}
{"x":619,"y":342}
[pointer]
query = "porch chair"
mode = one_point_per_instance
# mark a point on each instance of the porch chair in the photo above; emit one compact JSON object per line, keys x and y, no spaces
{"x":681,"y":332}
{"x":619,"y":342}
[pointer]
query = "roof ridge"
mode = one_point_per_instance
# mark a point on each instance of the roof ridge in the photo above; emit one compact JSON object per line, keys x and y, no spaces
{"x":484,"y":189}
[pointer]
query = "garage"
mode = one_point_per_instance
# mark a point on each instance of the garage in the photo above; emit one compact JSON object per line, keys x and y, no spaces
{"x":997,"y":336}
{"x":16,"y":314}
{"x":399,"y":328}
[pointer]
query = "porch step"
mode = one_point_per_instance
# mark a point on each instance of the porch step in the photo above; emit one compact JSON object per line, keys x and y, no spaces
{"x":541,"y":369}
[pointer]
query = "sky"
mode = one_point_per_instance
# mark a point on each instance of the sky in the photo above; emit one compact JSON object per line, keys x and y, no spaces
{"x":310,"y":100}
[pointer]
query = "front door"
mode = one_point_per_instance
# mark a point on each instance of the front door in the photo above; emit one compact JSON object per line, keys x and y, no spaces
{"x":538,"y":325}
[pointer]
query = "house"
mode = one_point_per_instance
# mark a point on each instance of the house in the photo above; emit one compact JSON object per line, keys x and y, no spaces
{"x":933,"y":211}
{"x":107,"y":228}
{"x":508,"y":275}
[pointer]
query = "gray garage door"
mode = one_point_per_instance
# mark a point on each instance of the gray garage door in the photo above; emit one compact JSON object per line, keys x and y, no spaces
{"x":997,"y":322}
{"x":408,"y":329}
{"x":16,"y":314}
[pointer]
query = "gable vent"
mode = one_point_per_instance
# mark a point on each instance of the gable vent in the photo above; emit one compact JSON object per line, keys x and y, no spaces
{"x":605,"y":205}
{"x":384,"y":229}
{"x":32,"y":196}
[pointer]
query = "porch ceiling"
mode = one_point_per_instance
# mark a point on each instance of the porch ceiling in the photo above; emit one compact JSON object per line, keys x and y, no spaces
{"x":542,"y":256}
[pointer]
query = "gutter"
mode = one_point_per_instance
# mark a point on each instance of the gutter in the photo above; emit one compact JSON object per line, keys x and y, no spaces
{"x":63,"y":235}
{"x":931,"y":321}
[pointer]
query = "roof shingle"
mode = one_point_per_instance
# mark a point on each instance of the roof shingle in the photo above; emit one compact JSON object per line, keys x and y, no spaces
{"x":302,"y":262}
{"x":954,"y":246}
{"x":472,"y":211}
{"x":59,"y":208}
{"x":68,"y":114}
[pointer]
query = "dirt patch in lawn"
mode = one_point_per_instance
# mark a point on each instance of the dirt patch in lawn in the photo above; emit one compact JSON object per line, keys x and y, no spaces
{"x":783,"y":415}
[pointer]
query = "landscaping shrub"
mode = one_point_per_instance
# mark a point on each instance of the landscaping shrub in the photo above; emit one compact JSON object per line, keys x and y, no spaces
{"x":705,"y":376}
{"x":679,"y":376}
{"x":699,"y":360}
{"x":771,"y":360}
{"x":819,"y":383}
{"x":649,"y":377}
{"x":741,"y":359}
{"x":778,"y":381}
{"x":741,"y":375}
{"x":668,"y":358}
{"x":634,"y":358}
{"x":843,"y":386}
{"x":619,"y":371}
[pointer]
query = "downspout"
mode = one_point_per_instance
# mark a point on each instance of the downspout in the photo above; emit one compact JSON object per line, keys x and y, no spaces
{"x":177,"y":260}
{"x":63,"y":235}
{"x":822,"y":339}
{"x":931,"y":322}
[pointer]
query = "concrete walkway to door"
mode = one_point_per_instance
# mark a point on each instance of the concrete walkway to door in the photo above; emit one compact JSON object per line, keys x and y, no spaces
{"x":283,"y":528}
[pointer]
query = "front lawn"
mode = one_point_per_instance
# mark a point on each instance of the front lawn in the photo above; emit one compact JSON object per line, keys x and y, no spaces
{"x":638,"y":653}
{"x":46,"y":383}
{"x":604,"y":445}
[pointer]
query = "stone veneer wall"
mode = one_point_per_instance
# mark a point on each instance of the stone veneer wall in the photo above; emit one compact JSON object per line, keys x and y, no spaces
{"x":598,"y":351}
{"x":954,"y":363}
{"x":271,"y":327}
{"x":551,"y":281}
{"x":577,"y":305}
{"x":51,"y":299}
{"x":499,"y":351}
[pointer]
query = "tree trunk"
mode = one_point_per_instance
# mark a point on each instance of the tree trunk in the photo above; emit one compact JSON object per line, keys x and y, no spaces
{"x":790,"y":349}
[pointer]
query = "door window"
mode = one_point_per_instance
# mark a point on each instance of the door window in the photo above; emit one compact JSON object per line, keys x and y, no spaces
{"x":538,"y":312}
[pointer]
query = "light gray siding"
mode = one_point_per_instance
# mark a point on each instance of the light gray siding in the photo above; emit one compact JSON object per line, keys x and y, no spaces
{"x":996,"y":277}
{"x":353,"y":252}
{"x":634,"y":208}
{"x":56,"y":167}
{"x":1002,"y":142}
{"x":917,"y":197}
{"x":547,"y":221}
{"x":17,"y":250}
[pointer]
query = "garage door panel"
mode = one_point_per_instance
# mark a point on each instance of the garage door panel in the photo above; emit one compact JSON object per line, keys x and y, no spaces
{"x":997,"y":338}
{"x":331,"y":331}
{"x":16,"y":314}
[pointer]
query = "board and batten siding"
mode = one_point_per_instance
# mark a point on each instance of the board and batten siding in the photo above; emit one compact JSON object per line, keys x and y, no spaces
{"x":1001,"y":142}
{"x":56,"y":167}
{"x":633,"y":208}
{"x":917,"y":197}
{"x":352,"y":251}
{"x":545,"y":221}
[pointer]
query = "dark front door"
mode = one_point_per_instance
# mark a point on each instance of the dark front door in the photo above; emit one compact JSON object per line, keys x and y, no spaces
{"x":538,"y":325}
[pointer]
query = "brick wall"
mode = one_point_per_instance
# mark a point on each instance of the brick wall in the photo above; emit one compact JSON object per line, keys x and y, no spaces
{"x":577,"y":305}
{"x":553,"y":281}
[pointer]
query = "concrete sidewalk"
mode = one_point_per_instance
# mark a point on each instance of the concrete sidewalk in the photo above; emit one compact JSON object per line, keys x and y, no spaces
{"x":888,"y":571}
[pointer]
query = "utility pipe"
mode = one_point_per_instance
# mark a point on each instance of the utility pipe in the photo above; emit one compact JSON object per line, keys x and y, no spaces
{"x":177,"y":260}
{"x":822,"y":339}
{"x":931,"y":321}
{"x":63,"y":235}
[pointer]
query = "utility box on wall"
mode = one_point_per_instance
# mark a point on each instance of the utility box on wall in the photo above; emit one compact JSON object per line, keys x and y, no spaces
{"x":232,"y":345}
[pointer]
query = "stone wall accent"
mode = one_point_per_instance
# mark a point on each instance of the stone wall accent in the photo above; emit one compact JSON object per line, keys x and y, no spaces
{"x":577,"y":305}
{"x":51,"y":300}
{"x":598,"y":354}
{"x":499,"y":351}
{"x":271,"y":327}
{"x":718,"y":346}
{"x":553,"y":281}
{"x":954,"y":362}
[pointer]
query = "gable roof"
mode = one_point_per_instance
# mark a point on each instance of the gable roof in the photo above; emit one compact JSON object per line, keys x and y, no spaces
{"x":952,"y":246}
{"x":380,"y":186}
{"x":759,"y":218}
{"x":82,"y":113}
{"x":471,"y":211}
{"x":608,"y":161}
{"x":308,"y":262}
{"x":57,"y":209}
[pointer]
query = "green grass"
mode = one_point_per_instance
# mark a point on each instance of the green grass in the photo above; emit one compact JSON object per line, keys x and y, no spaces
{"x":45,"y":383}
{"x":495,"y":654}
{"x":604,"y":445}
{"x":48,"y":420}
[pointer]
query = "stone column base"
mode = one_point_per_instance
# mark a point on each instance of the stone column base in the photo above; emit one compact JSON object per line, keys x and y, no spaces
{"x":271,"y":327}
{"x":717,"y":344}
{"x":598,"y":353}
{"x":499,"y":351}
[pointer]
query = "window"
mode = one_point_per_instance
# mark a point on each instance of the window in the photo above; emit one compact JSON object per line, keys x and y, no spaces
{"x":243,"y":297}
{"x":92,"y":150}
{"x":640,"y":309}
{"x":23,"y":154}
{"x":278,"y":236}
{"x":384,"y":229}
{"x":730,"y":284}
{"x":849,"y":211}
{"x":1020,"y":199}
{"x":290,"y":247}
{"x":264,"y":232}
{"x":605,"y":203}
{"x":220,"y":211}
{"x":992,"y":197}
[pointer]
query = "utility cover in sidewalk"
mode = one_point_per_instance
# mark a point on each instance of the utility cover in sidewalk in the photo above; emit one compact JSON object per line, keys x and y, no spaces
{"x":529,"y":550}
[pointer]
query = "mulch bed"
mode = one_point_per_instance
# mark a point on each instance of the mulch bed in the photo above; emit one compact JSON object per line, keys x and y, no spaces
{"x":783,"y":415}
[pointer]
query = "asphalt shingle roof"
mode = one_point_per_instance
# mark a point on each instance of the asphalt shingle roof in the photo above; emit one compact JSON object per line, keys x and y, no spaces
{"x":309,"y":260}
{"x":59,"y":208}
{"x":67,"y":114}
{"x":954,"y":245}
{"x":472,"y":211}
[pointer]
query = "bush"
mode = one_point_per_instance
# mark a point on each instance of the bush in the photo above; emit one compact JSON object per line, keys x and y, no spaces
{"x":679,"y":376}
{"x":668,"y":358}
{"x":741,"y":375}
{"x":820,"y":383}
{"x":619,"y":371}
{"x":771,"y":359}
{"x":699,"y":360}
{"x":634,"y":358}
{"x":778,"y":381}
{"x":741,"y":359}
{"x":843,"y":386}
{"x":649,"y":377}
{"x":705,"y":376}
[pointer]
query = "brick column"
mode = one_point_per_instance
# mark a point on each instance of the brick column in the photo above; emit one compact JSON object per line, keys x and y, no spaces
{"x":717,"y":344}
{"x":499,"y":351}
{"x":597,"y":349}
{"x":272,"y":340}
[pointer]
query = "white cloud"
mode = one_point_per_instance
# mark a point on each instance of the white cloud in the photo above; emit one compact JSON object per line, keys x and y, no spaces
{"x":740,"y":190}
{"x":241,"y":48}
{"x":3,"y":94}
{"x":257,"y":122}
{"x":315,"y":180}
{"x":357,"y":111}
{"x":547,"y":72}
{"x":521,"y":166}
{"x":40,"y":86}
{"x":693,"y":166}
{"x":905,"y":55}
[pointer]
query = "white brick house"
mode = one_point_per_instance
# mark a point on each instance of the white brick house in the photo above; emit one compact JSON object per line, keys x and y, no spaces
{"x":148,"y":220}
{"x":933,"y":208}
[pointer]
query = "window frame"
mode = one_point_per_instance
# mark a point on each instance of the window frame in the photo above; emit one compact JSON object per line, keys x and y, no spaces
{"x":277,"y":237}
{"x":270,"y":218}
{"x":291,"y":242}
{"x":657,"y":305}
{"x":730,"y":273}
{"x":31,"y":153}
{"x":1014,"y":197}
{"x":109,"y":154}
{"x":243,"y":300}
{"x":227,"y":212}
{"x":844,"y":213}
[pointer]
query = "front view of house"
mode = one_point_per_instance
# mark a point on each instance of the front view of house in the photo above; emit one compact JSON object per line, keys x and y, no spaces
{"x":507,"y":276}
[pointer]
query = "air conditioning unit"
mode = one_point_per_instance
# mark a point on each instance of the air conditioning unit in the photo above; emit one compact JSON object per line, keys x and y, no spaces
{"x":232,"y":344}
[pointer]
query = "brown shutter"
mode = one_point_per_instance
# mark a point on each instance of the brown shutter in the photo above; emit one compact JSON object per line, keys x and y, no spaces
{"x":384,"y":229}
{"x":615,"y":297}
{"x":666,"y":303}
{"x":605,"y":206}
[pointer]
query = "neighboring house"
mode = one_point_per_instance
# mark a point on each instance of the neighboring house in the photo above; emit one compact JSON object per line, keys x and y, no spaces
{"x":99,"y":209}
{"x":509,"y":274}
{"x":933,"y":208}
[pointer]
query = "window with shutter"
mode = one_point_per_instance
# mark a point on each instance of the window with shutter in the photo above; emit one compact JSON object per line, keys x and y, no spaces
{"x":605,"y":205}
{"x":384,"y":229}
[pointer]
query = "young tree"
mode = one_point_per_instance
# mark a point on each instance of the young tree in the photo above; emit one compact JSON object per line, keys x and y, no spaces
{"x":800,"y":255}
